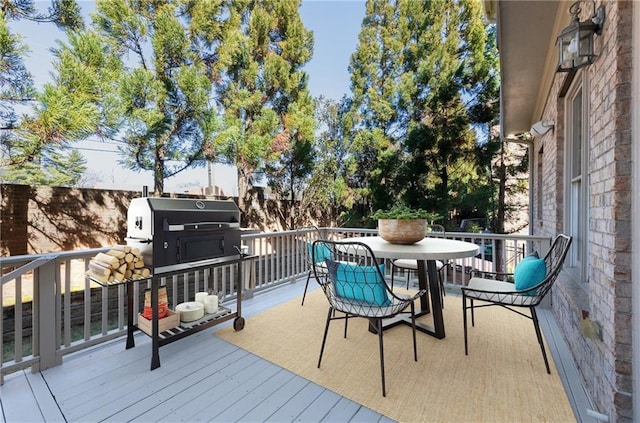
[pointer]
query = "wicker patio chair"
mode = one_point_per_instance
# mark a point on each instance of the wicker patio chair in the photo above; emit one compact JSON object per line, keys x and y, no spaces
{"x":411,"y":266}
{"x":354,"y":285}
{"x":502,"y":289}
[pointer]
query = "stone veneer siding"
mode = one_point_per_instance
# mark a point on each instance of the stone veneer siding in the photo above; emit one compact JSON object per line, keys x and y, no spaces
{"x":605,"y":364}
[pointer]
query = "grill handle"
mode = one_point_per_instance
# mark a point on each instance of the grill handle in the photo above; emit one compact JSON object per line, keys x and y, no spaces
{"x":140,"y":240}
{"x":198,"y":226}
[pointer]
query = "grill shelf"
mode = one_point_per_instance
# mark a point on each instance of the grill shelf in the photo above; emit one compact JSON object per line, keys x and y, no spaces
{"x":183,"y":329}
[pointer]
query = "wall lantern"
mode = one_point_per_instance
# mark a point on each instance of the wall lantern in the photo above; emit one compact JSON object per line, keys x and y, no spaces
{"x":576,"y":41}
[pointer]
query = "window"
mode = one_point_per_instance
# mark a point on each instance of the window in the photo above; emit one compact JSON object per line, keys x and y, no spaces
{"x":576,"y":182}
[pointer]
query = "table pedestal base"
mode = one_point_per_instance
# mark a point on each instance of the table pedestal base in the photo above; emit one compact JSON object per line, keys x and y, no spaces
{"x":437,"y":330}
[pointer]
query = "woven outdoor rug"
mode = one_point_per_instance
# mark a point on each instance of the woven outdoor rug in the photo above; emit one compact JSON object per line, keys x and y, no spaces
{"x":503,"y":379}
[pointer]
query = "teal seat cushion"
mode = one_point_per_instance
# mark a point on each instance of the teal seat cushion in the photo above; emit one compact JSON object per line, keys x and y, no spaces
{"x":360,"y":283}
{"x":322,"y":252}
{"x":529,"y":272}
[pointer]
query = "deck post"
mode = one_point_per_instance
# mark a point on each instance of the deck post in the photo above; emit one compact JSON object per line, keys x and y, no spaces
{"x":46,"y":329}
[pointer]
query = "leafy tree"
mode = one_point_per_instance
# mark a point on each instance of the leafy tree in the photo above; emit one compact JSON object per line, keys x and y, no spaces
{"x":30,"y":154}
{"x":453,"y":71}
{"x":65,"y":14}
{"x":328,"y":195}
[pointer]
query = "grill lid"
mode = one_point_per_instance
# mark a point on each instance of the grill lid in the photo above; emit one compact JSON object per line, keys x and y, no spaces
{"x":169,"y":231}
{"x":148,"y":216}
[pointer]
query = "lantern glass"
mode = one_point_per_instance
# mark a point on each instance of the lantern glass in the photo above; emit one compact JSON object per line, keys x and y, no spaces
{"x":576,"y":46}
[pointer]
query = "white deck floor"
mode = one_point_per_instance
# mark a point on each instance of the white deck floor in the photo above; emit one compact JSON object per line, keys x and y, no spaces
{"x":204,"y":378}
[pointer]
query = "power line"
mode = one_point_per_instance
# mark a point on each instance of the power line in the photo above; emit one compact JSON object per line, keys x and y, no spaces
{"x":95,"y":149}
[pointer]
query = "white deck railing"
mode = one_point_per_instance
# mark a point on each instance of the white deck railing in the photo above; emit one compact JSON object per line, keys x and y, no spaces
{"x":50,"y":308}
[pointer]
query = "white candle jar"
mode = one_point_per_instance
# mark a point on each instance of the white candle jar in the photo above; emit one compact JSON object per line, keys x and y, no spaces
{"x":211,"y":304}
{"x":201,"y":297}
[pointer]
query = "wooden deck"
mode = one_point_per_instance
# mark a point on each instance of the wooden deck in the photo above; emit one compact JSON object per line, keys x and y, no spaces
{"x":203,"y":378}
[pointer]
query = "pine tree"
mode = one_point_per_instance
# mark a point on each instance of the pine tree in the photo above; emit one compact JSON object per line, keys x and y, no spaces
{"x":181,"y":82}
{"x":375,"y":69}
{"x":28,"y":154}
{"x":167,"y":118}
{"x":268,"y":112}
{"x":416,"y":79}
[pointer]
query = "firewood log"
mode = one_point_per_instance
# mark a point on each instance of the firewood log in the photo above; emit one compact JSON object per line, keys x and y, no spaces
{"x":124,"y":248}
{"x":98,"y":268}
{"x":117,"y":253}
{"x":97,"y":276}
{"x":108,"y":260}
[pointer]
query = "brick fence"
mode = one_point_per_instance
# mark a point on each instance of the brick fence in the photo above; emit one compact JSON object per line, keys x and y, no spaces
{"x":42,"y":219}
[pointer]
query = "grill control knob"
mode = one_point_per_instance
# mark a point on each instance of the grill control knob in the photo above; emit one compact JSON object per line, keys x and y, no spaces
{"x":165,"y":245}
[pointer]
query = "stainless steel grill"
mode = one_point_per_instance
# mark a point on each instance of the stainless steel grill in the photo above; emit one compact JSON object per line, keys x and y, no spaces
{"x":172,"y":231}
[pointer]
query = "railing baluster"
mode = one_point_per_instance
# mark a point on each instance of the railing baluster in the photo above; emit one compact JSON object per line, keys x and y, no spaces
{"x":87,"y":309}
{"x":121,"y":306}
{"x":66,"y":303}
{"x":104,"y":301}
{"x":17,"y":325}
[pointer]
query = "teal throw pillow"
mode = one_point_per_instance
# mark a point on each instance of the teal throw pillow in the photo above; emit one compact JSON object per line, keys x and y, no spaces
{"x":528,"y":273}
{"x":360,"y":283}
{"x":322,"y":252}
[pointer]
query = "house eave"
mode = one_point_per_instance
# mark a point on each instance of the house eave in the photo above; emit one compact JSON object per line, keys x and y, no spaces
{"x":527,"y":32}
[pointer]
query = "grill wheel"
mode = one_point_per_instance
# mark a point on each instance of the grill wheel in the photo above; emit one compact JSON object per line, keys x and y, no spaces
{"x":238,"y":323}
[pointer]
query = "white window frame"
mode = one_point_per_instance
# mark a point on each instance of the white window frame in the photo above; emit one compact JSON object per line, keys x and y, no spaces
{"x":576,"y":182}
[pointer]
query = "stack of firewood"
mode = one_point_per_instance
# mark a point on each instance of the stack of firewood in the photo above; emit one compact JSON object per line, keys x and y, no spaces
{"x":118,"y":264}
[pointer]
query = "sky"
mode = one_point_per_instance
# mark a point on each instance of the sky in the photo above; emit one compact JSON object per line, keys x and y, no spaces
{"x":335,"y":25}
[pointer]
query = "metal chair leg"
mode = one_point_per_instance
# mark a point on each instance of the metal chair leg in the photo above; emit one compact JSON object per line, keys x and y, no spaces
{"x":306,"y":286}
{"x":473,"y":316}
{"x":413,"y":329}
{"x":346,"y":320}
{"x":379,"y":328}
{"x":464,"y":323}
{"x":324,"y":337}
{"x":534,"y":317}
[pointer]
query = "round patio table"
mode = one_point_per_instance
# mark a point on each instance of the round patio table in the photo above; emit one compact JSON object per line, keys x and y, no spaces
{"x":425,"y":252}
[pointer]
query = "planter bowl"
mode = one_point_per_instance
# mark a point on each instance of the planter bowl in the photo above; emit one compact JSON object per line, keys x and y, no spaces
{"x":402,"y":231}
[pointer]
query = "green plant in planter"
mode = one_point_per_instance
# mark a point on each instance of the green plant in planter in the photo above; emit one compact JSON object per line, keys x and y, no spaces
{"x":402,"y":212}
